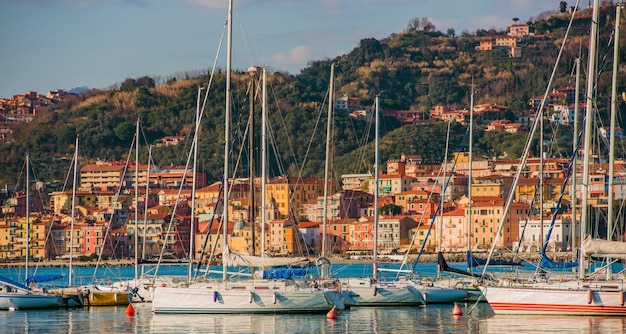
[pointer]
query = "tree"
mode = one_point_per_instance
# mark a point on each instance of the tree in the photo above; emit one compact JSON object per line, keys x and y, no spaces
{"x":562,"y":6}
{"x":427,"y":25}
{"x":451,"y":32}
{"x":128,"y":85}
{"x":414,"y":24}
{"x":390,"y":209}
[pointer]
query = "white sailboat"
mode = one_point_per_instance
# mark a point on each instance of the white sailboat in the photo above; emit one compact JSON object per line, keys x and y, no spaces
{"x":17,"y":296}
{"x":372,"y":291}
{"x":591,"y":295}
{"x":244,"y":296}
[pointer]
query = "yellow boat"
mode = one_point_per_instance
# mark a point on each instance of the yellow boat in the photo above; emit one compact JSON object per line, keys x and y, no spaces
{"x":98,"y":296}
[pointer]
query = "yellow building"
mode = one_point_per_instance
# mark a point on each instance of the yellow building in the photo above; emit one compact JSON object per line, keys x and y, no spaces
{"x":526,"y":189}
{"x":290,"y":193}
{"x":492,"y":186}
{"x":36,"y":242}
{"x":6,"y":240}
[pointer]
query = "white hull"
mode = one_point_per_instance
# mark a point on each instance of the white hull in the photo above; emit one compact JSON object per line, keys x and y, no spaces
{"x":570,"y":298}
{"x":367,"y":293}
{"x":258,"y":296}
{"x":19,"y":301}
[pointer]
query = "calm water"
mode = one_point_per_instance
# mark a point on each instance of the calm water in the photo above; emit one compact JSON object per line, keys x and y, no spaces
{"x":429,"y":319}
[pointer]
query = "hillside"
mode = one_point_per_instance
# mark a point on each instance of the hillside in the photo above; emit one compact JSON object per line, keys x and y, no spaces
{"x":413,"y":69}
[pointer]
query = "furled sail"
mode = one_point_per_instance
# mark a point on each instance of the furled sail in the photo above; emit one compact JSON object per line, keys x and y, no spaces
{"x":233,"y":260}
{"x":603,"y":248}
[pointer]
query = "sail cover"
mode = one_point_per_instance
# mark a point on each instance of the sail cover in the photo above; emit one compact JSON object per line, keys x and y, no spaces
{"x":603,"y":248}
{"x":233,"y":260}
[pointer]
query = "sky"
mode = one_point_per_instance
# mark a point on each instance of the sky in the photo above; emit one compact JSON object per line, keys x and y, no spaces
{"x":62,"y":44}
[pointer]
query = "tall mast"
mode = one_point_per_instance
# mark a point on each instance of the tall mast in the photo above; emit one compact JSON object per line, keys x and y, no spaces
{"x":469,"y":177}
{"x":327,"y":162}
{"x":376,"y":185}
{"x":251,"y":209}
{"x":27,"y":212}
{"x":263,"y":163}
{"x":591,"y":74}
{"x":610,"y":214}
{"x":192,"y":224}
{"x":541,"y":227}
{"x":575,"y":153}
{"x":137,"y":201}
{"x":145,"y":208}
{"x":226,"y":133}
{"x":73,"y":212}
{"x":441,"y":197}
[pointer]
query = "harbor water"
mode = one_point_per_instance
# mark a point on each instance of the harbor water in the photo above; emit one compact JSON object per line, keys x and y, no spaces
{"x":476,"y":318}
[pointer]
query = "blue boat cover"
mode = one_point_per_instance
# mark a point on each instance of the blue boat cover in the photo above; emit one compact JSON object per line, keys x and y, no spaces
{"x":283,"y":273}
{"x":549,"y":264}
{"x":10,"y":282}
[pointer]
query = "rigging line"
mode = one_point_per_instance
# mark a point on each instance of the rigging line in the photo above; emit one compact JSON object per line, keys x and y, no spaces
{"x":272,"y":135}
{"x":213,"y":68}
{"x":439,"y":204}
{"x":113,"y":209}
{"x":528,"y":144}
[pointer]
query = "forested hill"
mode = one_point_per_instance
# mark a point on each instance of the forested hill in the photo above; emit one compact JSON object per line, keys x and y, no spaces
{"x":417,"y":69}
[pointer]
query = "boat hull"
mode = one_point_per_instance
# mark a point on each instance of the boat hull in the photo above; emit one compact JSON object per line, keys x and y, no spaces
{"x":555,"y":301}
{"x":28,"y":301}
{"x":368,"y":293}
{"x":106,"y":298}
{"x":442,"y":295}
{"x":246,"y":298}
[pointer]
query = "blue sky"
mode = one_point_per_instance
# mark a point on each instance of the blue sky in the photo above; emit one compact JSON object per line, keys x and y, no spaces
{"x":62,"y":44}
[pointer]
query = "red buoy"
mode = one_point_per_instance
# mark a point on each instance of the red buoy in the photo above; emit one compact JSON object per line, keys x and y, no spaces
{"x":130,"y":311}
{"x":457,"y":310}
{"x":332,"y":314}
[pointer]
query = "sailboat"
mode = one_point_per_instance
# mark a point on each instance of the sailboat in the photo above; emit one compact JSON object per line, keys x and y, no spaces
{"x":92,"y":294}
{"x":241,"y":296}
{"x":370,"y":291}
{"x":591,"y":295}
{"x":17,"y":296}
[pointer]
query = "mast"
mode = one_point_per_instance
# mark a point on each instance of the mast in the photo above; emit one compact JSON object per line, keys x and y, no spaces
{"x":441,"y":197}
{"x":263,"y":163}
{"x":574,"y":150}
{"x":28,"y":213}
{"x":469,"y":178}
{"x":73,"y":212}
{"x":541,"y":179}
{"x":376,"y":185}
{"x":137,"y":200}
{"x":192,"y":224}
{"x":226,"y":133}
{"x":591,"y":74}
{"x":610,"y":214}
{"x":145,"y":209}
{"x":327,"y":162}
{"x":251,"y":209}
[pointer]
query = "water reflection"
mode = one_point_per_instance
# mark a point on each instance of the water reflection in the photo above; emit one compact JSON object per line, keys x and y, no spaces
{"x":565,"y":324}
{"x":430,"y":319}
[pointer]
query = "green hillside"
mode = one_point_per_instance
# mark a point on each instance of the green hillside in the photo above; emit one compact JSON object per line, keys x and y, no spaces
{"x":414,"y":69}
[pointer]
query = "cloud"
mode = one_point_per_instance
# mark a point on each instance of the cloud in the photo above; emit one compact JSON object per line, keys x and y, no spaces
{"x":299,"y":55}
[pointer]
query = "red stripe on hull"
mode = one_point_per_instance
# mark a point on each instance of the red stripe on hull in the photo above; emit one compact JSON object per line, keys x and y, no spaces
{"x":561,"y":309}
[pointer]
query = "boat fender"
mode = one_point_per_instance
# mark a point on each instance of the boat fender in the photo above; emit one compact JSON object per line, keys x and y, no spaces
{"x":425,"y":296}
{"x":250,"y":298}
{"x":214,"y":296}
{"x":375,"y":291}
{"x":621,"y":298}
{"x":589,"y":296}
{"x":274,"y":298}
